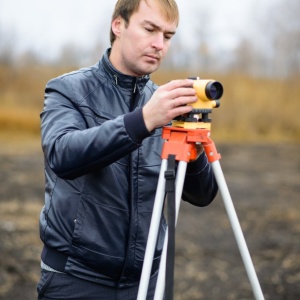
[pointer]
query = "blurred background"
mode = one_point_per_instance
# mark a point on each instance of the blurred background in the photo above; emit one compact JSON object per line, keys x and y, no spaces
{"x":252,"y":47}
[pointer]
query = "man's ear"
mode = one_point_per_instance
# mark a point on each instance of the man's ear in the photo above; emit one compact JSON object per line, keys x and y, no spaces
{"x":117,"y":25}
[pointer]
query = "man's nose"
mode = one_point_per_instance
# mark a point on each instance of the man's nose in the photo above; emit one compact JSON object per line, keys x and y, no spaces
{"x":158,"y":41}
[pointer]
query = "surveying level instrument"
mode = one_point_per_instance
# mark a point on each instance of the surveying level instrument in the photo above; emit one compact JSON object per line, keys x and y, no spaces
{"x":180,"y":145}
{"x":208,"y":93}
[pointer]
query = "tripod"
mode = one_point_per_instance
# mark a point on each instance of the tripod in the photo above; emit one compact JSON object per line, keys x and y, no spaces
{"x":181,"y":142}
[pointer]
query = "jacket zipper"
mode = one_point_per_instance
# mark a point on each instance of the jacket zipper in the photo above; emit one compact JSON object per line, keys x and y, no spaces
{"x":133,"y":101}
{"x":129,"y":260}
{"x":116,"y":79}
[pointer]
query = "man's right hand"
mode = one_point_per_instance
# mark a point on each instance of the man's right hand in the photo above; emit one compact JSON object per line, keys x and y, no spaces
{"x":169,"y":101}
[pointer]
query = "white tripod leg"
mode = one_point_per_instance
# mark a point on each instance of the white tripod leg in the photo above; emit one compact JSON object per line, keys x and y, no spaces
{"x":153,"y":232}
{"x":161,"y":280}
{"x":237,"y":230}
{"x":160,"y":285}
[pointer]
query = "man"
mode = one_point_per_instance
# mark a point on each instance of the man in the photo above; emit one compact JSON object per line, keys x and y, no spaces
{"x":101,"y":137}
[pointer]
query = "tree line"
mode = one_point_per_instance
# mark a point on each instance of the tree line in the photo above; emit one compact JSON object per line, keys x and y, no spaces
{"x":270,"y":48}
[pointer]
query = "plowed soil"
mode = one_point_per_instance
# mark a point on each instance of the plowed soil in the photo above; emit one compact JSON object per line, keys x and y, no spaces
{"x":263,"y":181}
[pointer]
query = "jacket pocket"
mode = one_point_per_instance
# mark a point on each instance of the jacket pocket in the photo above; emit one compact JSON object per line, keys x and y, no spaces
{"x":98,"y":242}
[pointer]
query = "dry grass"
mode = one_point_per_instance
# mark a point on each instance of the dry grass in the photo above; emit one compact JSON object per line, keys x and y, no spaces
{"x":252,"y":109}
{"x":20,"y":119}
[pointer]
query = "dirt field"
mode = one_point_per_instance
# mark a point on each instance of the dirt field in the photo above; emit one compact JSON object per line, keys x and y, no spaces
{"x":264,"y":184}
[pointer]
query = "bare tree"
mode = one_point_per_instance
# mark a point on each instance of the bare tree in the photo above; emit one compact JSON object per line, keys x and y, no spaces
{"x":6,"y":48}
{"x":273,"y":47}
{"x":287,"y":40}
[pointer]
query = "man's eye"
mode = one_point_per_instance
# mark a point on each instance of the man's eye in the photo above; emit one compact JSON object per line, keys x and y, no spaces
{"x":149,"y":29}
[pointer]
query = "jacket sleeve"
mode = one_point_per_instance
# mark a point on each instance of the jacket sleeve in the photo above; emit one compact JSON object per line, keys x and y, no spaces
{"x":71,"y":149}
{"x":200,"y":186}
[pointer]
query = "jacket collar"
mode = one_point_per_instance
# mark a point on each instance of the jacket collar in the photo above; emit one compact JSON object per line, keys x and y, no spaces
{"x":121,"y":79}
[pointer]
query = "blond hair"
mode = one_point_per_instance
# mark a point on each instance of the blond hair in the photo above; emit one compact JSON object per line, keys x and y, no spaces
{"x":125,"y":9}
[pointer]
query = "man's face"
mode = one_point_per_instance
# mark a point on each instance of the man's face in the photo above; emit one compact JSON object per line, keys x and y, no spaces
{"x":141,"y":45}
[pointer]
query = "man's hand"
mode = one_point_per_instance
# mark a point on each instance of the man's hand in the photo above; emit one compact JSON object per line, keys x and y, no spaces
{"x":169,"y":101}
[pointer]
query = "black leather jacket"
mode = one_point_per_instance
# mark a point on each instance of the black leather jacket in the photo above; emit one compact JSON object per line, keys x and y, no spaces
{"x":101,"y":172}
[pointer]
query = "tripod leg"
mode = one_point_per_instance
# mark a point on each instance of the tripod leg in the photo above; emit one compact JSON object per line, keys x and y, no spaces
{"x":160,"y":286}
{"x":237,"y":230}
{"x":153,"y":232}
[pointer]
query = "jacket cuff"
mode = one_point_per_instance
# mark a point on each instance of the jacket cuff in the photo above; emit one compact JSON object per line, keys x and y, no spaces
{"x":197,"y":166}
{"x":135,"y":126}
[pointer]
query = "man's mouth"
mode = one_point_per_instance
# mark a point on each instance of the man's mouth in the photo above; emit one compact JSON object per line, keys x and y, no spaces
{"x":154,"y":57}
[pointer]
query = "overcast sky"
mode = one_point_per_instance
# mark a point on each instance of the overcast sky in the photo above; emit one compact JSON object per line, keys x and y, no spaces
{"x":45,"y":25}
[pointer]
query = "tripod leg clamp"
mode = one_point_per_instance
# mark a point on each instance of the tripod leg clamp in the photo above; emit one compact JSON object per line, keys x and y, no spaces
{"x":170,"y":174}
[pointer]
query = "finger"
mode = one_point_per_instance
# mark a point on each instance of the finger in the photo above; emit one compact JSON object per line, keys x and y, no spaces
{"x":179,"y":83}
{"x":183,"y":93}
{"x":180,"y":101}
{"x":181,"y":110}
